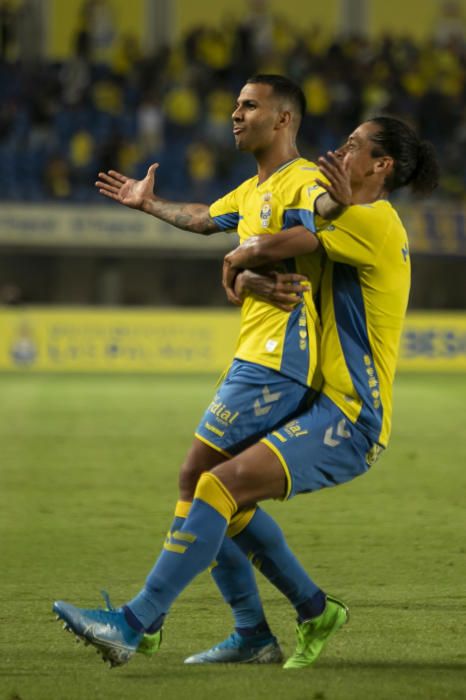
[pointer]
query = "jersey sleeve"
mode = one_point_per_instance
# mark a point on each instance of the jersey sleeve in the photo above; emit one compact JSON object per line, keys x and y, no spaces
{"x":356,"y":237}
{"x":225,"y":212}
{"x":301,"y":210}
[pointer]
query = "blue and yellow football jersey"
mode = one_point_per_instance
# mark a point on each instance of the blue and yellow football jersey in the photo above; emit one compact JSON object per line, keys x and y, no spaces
{"x":364,"y":295}
{"x":285,"y":342}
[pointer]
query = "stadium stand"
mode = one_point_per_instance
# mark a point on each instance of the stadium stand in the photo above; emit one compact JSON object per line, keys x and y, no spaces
{"x":60,"y":122}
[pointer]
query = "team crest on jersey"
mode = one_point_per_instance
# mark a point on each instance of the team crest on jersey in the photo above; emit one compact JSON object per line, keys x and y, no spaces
{"x":266,"y":210}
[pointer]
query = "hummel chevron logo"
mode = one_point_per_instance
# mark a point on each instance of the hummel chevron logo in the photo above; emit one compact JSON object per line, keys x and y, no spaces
{"x":261,"y":409}
{"x":341,"y":432}
{"x":341,"y":429}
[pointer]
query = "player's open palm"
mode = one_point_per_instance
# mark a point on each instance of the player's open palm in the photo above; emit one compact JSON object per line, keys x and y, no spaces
{"x":338,"y":184}
{"x":126,"y":190}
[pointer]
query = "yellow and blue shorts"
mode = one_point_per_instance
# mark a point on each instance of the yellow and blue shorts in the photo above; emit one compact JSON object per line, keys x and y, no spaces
{"x":321,"y":448}
{"x":251,"y":401}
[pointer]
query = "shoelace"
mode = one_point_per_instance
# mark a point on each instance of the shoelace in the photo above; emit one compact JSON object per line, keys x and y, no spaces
{"x":108,"y":604}
{"x":300,"y":645}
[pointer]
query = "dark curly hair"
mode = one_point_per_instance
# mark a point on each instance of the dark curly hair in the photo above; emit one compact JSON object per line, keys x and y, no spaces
{"x":415,"y":161}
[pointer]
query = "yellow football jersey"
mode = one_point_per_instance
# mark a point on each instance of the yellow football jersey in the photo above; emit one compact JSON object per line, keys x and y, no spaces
{"x":285,"y":342}
{"x":364,"y":295}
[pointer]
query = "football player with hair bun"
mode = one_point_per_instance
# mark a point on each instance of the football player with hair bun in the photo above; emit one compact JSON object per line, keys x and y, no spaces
{"x":275,"y":365}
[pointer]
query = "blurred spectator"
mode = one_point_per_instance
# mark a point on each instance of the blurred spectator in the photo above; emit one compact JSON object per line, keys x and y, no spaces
{"x":258,"y":28}
{"x":218,"y":110}
{"x":182,"y":110}
{"x":201,"y":169}
{"x":150,"y":122}
{"x":127,"y":55}
{"x":57,"y":178}
{"x":75,"y":75}
{"x":98,"y":25}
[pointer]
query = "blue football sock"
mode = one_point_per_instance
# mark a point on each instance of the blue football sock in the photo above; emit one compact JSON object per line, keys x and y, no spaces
{"x":186,"y":552}
{"x":234,"y":576}
{"x":263,"y":541}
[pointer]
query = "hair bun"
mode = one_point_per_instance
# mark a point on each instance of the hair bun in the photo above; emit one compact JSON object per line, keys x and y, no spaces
{"x":426,"y":173}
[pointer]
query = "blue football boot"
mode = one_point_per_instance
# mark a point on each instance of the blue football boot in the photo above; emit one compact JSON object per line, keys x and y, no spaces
{"x":238,"y":649}
{"x":106,"y":630}
{"x":150,"y":643}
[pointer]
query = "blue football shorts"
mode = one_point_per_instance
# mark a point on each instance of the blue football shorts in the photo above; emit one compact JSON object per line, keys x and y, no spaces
{"x":321,"y":448}
{"x":251,"y":401}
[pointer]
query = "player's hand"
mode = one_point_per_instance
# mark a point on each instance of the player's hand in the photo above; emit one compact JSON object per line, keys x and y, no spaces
{"x":336,"y":170}
{"x":125,"y":190}
{"x":229,"y":276}
{"x":282,"y":290}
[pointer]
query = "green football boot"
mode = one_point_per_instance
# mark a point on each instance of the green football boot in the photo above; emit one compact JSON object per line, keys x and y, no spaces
{"x":314,"y":634}
{"x":150,"y":643}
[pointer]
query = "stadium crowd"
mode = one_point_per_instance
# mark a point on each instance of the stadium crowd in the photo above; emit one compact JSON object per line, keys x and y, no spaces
{"x":60,"y":123}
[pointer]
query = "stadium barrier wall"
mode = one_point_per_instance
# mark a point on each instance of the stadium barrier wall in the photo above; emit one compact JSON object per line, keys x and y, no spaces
{"x":179,"y":341}
{"x":92,"y":226}
{"x":433,"y":229}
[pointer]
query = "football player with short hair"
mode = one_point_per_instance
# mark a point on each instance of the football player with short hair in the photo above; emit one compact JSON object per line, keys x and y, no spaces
{"x":363,"y":299}
{"x":273,"y":372}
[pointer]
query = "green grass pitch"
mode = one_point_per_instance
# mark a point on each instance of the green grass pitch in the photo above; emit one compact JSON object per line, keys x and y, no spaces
{"x":88,"y":478}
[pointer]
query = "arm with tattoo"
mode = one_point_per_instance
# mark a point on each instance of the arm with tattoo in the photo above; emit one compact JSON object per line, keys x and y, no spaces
{"x":139,"y":194}
{"x":187,"y":216}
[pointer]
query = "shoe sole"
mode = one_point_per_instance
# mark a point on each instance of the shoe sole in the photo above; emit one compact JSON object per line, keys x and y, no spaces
{"x":274,"y":656}
{"x":266,"y":656}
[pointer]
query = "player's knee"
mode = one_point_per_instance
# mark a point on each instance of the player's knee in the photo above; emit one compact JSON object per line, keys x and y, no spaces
{"x":190,"y":472}
{"x":199,"y":459}
{"x":235,"y":476}
{"x":241,"y":473}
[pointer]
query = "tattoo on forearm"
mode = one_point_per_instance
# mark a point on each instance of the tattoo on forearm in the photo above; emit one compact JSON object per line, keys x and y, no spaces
{"x":189,"y":217}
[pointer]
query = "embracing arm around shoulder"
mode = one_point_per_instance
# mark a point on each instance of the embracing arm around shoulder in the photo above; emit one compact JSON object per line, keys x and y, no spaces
{"x":330,"y":204}
{"x":264,"y":250}
{"x":270,"y":248}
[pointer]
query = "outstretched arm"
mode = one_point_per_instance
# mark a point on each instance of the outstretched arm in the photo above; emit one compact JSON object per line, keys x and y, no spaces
{"x":139,"y":194}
